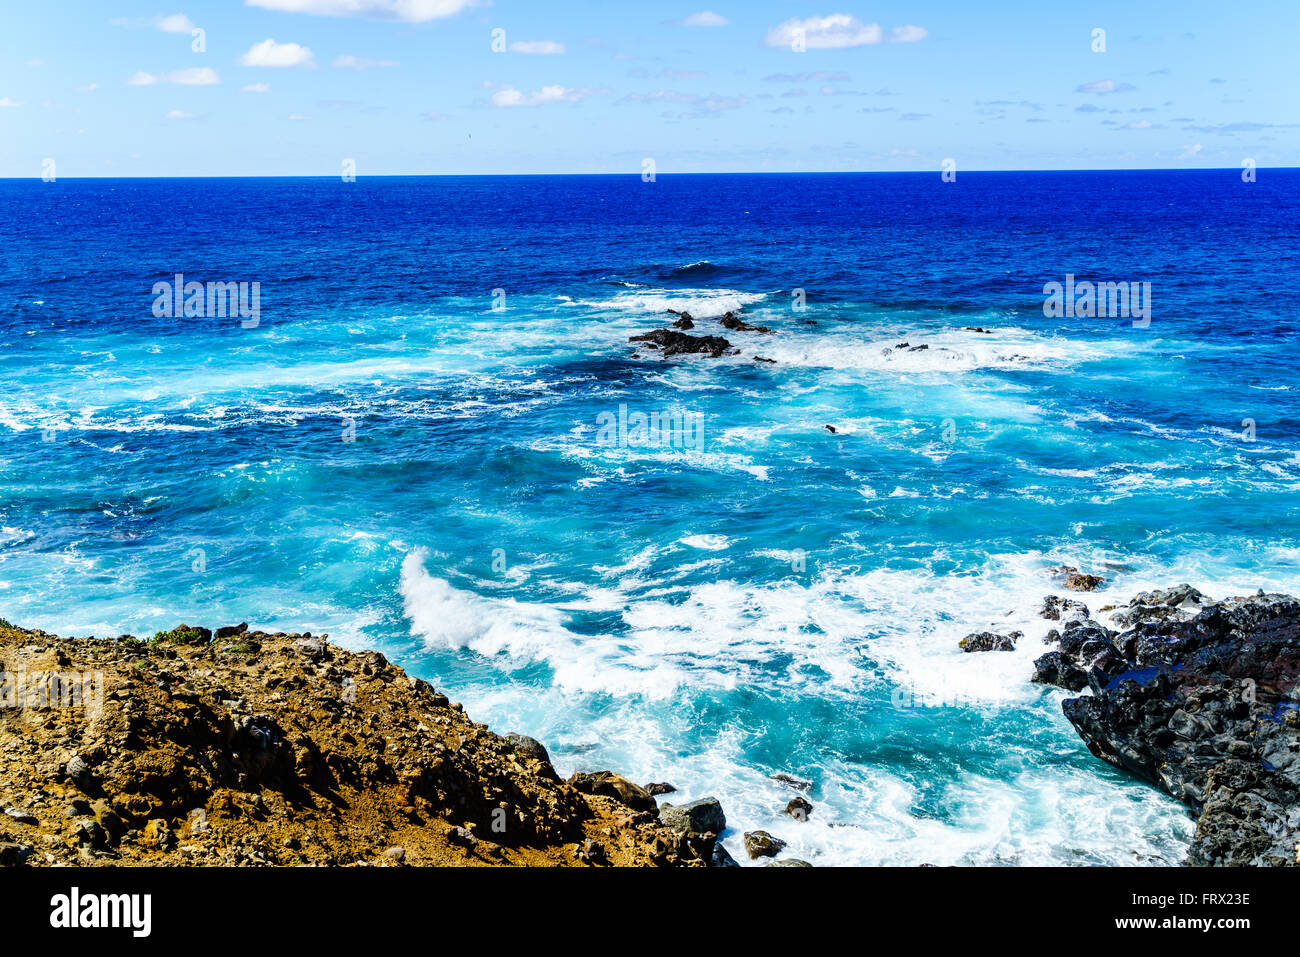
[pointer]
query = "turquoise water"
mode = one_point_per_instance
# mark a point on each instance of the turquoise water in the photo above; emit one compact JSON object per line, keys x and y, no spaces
{"x":388,"y":459}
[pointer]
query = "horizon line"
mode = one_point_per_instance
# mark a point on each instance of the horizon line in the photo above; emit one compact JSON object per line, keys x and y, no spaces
{"x":637,"y":174}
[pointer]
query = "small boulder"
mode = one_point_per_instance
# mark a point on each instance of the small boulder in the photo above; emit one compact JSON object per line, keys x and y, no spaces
{"x":11,"y":855}
{"x":987,"y":641}
{"x":799,"y":808}
{"x":462,"y":837}
{"x":660,"y":787}
{"x":704,"y":816}
{"x":528,"y":747}
{"x":1078,"y":581}
{"x":157,"y":835}
{"x":1056,"y":608}
{"x":609,"y":784}
{"x":761,"y":844}
{"x":313,"y":648}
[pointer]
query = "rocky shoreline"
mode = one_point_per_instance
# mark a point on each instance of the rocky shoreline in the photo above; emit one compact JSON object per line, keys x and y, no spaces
{"x":1195,"y":696}
{"x":245,"y":748}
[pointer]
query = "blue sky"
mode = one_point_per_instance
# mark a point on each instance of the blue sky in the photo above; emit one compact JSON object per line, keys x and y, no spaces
{"x":294,"y":87}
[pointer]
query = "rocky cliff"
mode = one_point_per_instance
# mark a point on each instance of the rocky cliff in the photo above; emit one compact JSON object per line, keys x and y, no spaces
{"x":1200,"y":698}
{"x":249,"y":748}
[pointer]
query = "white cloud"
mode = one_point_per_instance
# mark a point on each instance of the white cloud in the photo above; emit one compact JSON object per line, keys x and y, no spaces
{"x":837,"y":31}
{"x":176,"y":23}
{"x":178,"y":115}
{"x":407,"y":11}
{"x":88,"y":88}
{"x":1190,"y":151}
{"x":192,"y":76}
{"x":272,"y":54}
{"x":1104,"y":86}
{"x":509,"y":96}
{"x":908,"y":34}
{"x":1140,"y":125}
{"x":298,"y":117}
{"x":537,"y":47}
{"x":6,"y":103}
{"x":349,"y":62}
{"x":256,"y":88}
{"x":705,"y":18}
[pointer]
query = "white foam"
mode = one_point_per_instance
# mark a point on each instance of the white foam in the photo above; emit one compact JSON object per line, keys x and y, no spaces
{"x":712,"y":543}
{"x":700,"y":303}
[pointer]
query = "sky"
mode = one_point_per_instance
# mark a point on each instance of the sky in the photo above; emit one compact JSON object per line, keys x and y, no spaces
{"x":300,"y":87}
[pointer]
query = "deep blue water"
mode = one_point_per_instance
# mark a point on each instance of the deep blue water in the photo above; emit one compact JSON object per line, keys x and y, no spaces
{"x":387,"y":458}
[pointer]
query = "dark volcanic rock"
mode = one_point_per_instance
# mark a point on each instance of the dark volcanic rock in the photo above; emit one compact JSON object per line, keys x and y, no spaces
{"x":1054,"y":608}
{"x":1205,"y":708}
{"x":679,"y":343}
{"x":721,"y":858}
{"x":660,"y":787}
{"x":733,"y":322}
{"x":790,"y":781}
{"x":988,"y":641}
{"x":1057,"y":669}
{"x":1178,"y":595}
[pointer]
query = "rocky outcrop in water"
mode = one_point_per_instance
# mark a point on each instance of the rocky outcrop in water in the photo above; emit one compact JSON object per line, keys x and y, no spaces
{"x":673,"y":343}
{"x":730,"y":320}
{"x":1200,"y":699}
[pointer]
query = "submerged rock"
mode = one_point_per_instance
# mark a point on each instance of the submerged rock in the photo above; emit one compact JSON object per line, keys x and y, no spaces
{"x":790,"y":781}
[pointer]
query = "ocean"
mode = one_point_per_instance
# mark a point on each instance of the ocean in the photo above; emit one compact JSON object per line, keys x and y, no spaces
{"x":432,"y":437}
